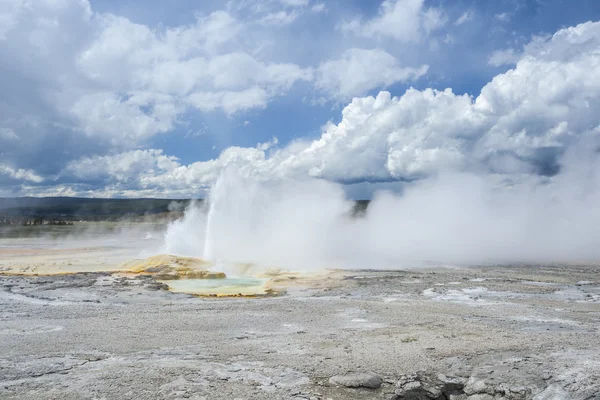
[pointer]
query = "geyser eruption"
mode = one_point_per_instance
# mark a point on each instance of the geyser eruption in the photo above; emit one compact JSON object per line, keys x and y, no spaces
{"x":456,"y":218}
{"x":208,"y":245}
{"x":212,"y":207}
{"x":276,"y":223}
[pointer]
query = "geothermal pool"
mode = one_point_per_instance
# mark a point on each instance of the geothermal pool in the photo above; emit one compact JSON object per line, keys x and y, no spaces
{"x":219,"y":287}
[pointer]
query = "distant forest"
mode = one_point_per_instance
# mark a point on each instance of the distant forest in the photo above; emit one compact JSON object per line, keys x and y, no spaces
{"x":66,"y":210}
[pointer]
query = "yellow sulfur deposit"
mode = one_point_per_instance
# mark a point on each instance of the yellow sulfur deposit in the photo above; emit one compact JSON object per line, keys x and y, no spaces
{"x":169,"y":267}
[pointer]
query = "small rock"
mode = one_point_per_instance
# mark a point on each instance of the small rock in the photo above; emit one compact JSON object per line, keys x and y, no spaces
{"x":157,"y":286}
{"x":452,"y":383}
{"x":356,"y":380}
{"x":95,"y":357}
{"x":547,"y":375}
{"x":475,"y":386}
{"x":418,"y":386}
{"x":519,"y":390}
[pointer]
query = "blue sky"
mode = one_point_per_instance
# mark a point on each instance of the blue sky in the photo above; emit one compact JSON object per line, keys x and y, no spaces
{"x":124,"y":98}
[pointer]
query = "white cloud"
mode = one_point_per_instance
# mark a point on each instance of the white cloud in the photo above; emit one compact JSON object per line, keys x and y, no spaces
{"x":382,"y":138}
{"x":280,"y":18}
{"x":8,"y":134}
{"x":121,"y":167}
{"x":319,"y":8}
{"x":403,"y":20}
{"x":178,"y":64}
{"x":9,"y":13}
{"x":121,"y":83}
{"x":359,"y":71}
{"x":518,"y":126}
{"x":229,"y":101}
{"x":103,"y":113}
{"x":102,"y":83}
{"x":566,"y":44}
{"x":275,"y":13}
{"x":433,"y":19}
{"x":295,"y":3}
{"x":20,"y":174}
{"x":503,"y":17}
{"x":268,"y":145}
{"x":465,"y":17}
{"x":448,"y":39}
{"x":503,"y":57}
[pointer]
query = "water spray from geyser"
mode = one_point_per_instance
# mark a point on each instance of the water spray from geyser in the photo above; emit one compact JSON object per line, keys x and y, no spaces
{"x":305,"y":225}
{"x":208,"y":239}
{"x":217,"y":194}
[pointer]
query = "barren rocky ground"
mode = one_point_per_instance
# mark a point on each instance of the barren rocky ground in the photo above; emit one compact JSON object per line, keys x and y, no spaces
{"x":518,"y":332}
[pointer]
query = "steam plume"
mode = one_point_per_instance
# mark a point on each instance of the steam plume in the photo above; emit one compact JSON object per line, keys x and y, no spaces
{"x":458,"y":218}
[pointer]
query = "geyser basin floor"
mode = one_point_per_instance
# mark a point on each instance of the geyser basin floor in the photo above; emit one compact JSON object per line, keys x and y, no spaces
{"x":220,"y":287}
{"x":84,"y":247}
{"x":97,"y":335}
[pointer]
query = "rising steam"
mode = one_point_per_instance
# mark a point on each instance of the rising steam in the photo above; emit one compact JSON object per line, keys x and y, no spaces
{"x":457,"y":218}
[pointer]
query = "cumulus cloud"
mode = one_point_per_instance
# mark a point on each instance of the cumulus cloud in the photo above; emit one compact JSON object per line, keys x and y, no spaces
{"x":503,"y":17}
{"x":82,"y":89}
{"x":281,"y":13}
{"x":295,"y":3}
{"x":120,"y":82}
{"x":120,"y":167}
{"x":8,"y":134}
{"x":101,"y":83}
{"x":319,"y":8}
{"x":361,"y":70}
{"x":280,"y":18}
{"x":464,"y":18}
{"x":19,"y":174}
{"x":277,"y":13}
{"x":518,"y":128}
{"x":155,"y":174}
{"x":181,"y":63}
{"x":503,"y":57}
{"x":122,"y":118}
{"x":8,"y":16}
{"x":402,"y":20}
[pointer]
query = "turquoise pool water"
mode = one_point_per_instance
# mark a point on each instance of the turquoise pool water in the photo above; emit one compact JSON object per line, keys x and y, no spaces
{"x":227,"y":286}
